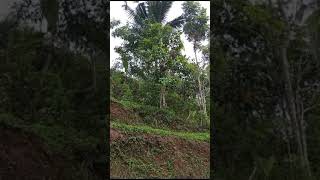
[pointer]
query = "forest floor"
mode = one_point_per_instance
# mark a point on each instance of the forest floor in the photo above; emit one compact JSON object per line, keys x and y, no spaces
{"x":140,"y":151}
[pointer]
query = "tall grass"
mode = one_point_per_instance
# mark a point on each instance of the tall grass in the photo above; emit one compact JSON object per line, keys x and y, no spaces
{"x":162,"y":132}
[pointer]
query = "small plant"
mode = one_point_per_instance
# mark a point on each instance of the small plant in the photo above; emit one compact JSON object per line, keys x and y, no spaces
{"x":170,"y":167}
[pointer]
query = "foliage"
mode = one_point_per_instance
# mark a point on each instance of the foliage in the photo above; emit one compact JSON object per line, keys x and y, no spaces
{"x":155,"y":69}
{"x":196,"y":26}
{"x":155,"y":11}
{"x":162,"y":132}
{"x":56,"y":105}
{"x":249,"y":91}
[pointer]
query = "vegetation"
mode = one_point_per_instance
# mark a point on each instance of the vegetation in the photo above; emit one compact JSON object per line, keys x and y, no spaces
{"x":265,"y":89}
{"x":159,"y":95}
{"x":54,"y":91}
{"x":162,"y":132}
{"x":155,"y":69}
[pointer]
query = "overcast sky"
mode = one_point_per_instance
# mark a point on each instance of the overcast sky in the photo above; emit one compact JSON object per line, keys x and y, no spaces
{"x":117,"y":12}
{"x":5,"y":7}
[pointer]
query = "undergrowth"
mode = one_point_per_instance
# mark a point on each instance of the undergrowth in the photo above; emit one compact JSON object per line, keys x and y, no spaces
{"x":162,"y":132}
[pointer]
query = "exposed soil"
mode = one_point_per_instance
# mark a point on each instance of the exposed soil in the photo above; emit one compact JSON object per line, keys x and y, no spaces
{"x":119,"y":112}
{"x":173,"y":157}
{"x":115,"y":134}
{"x":178,"y":151}
{"x":23,"y":156}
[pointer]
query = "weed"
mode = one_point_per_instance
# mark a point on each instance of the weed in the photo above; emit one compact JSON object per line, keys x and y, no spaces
{"x":170,"y":168}
{"x":162,"y":132}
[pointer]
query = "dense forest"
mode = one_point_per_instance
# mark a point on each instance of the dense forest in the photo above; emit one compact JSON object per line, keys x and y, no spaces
{"x":153,"y":72}
{"x":266,"y":89}
{"x":53,"y":90}
{"x":160,"y":98}
{"x":256,"y":84}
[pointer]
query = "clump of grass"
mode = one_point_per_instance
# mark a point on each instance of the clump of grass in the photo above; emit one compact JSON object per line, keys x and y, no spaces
{"x":162,"y":132}
{"x":130,"y":104}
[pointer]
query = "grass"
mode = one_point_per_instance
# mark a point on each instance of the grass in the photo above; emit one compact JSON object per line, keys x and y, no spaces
{"x":162,"y":132}
{"x":60,"y":139}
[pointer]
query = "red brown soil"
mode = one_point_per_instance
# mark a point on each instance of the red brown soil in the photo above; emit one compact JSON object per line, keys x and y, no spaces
{"x":115,"y":134}
{"x":176,"y":149}
{"x":23,"y":156}
{"x":119,"y":112}
{"x":190,"y":158}
{"x":177,"y":144}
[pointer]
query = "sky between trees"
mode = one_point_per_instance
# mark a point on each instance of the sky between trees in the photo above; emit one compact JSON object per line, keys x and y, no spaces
{"x":117,"y":12}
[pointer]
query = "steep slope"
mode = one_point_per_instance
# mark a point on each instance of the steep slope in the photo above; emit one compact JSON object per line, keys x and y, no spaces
{"x":140,"y":151}
{"x":24,"y":156}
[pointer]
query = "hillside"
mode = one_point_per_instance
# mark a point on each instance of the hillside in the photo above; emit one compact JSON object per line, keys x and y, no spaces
{"x":160,"y":96}
{"x":25,"y":155}
{"x":140,"y":151}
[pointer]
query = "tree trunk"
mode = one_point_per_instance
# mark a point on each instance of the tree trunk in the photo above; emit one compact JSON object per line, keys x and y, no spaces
{"x":288,"y":128}
{"x":291,"y":162}
{"x":163,"y":103}
{"x":253,"y":173}
{"x":304,"y":142}
{"x":49,"y":56}
{"x":292,"y":104}
{"x":202,"y":100}
{"x":94,"y":73}
{"x":47,"y":63}
{"x":289,"y":95}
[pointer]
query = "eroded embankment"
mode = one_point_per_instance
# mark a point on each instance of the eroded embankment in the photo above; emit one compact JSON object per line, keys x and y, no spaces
{"x":24,"y":156}
{"x":141,"y":155}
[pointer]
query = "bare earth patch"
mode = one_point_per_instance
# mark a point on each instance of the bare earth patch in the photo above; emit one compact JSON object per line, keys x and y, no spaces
{"x":23,"y":156}
{"x":190,"y":159}
{"x":120,"y":113}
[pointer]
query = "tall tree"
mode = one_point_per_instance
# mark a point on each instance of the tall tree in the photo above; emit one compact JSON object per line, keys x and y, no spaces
{"x":78,"y":25}
{"x":196,"y":29}
{"x":147,"y":54}
{"x":155,"y":11}
{"x":265,"y":77}
{"x":294,"y":77}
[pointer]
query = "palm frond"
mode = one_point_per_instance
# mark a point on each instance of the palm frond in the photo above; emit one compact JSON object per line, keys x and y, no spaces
{"x":159,"y":9}
{"x":177,"y":22}
{"x":141,"y":10}
{"x":133,"y":15}
{"x":153,"y":9}
{"x":165,"y":7}
{"x":125,"y":5}
{"x":129,"y":11}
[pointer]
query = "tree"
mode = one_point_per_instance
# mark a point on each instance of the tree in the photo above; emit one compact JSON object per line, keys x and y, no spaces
{"x":82,"y":26}
{"x":264,"y":82}
{"x":147,"y":54}
{"x":294,"y":79}
{"x":196,"y":29}
{"x":155,"y":11}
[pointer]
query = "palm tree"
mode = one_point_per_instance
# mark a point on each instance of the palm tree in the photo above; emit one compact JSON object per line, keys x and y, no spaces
{"x":155,"y":11}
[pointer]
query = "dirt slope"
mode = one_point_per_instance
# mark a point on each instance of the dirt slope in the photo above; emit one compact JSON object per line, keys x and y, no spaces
{"x":147,"y":155}
{"x":23,"y":156}
{"x":118,"y":112}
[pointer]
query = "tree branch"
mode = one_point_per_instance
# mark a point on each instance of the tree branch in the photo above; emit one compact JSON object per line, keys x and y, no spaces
{"x":253,"y":173}
{"x":311,"y":108}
